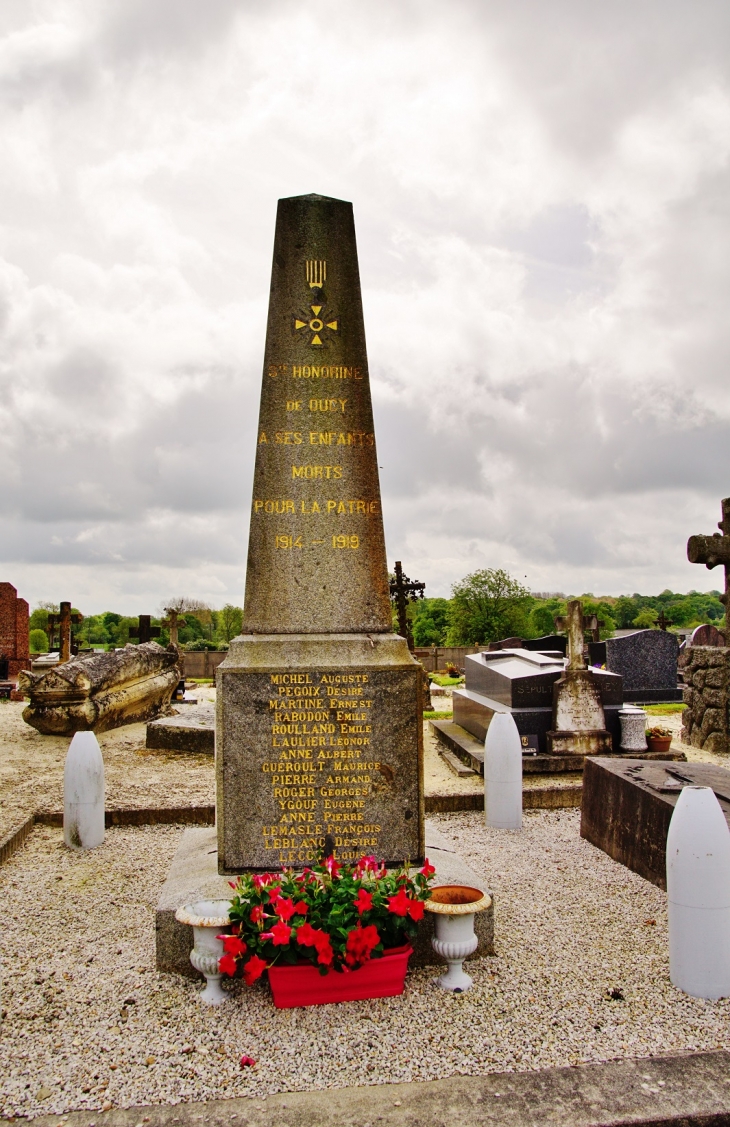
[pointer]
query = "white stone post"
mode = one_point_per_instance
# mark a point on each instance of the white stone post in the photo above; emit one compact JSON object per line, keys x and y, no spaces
{"x":83,"y":793}
{"x":503,"y":774}
{"x":698,"y":893}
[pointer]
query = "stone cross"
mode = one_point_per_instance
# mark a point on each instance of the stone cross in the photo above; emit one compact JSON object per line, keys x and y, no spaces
{"x":575,"y":626}
{"x":145,"y":632}
{"x":173,"y":622}
{"x":63,"y":621}
{"x":589,"y":622}
{"x":404,"y":590}
{"x":714,"y":550}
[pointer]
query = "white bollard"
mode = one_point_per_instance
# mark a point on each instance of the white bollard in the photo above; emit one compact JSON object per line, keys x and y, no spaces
{"x":83,"y":793}
{"x":503,"y":774}
{"x":698,"y":894}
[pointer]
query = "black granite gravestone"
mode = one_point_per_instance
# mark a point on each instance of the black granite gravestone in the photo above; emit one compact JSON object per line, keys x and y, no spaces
{"x":549,"y":643}
{"x":521,"y":682}
{"x":647,"y":662}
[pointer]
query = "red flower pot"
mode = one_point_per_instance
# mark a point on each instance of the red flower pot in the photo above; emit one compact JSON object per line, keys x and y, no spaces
{"x":303,"y":985}
{"x":659,"y":743}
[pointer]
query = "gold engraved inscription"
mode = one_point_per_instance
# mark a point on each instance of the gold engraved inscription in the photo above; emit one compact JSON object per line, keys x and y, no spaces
{"x":322,"y":767}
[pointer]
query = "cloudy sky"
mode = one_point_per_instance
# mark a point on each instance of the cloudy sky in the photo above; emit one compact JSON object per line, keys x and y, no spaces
{"x":541,"y":196}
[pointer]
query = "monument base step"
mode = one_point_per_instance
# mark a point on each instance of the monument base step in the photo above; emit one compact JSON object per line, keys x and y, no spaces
{"x":471,"y":751}
{"x":193,"y":732}
{"x":193,"y":875}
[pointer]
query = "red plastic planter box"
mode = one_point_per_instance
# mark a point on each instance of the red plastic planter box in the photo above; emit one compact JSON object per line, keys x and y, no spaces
{"x":305,"y":986}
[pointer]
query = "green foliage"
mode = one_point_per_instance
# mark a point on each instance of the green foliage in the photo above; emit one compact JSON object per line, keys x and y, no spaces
{"x":229,"y":622}
{"x":38,"y":641}
{"x":488,"y":605}
{"x":542,"y":620}
{"x":602,"y":611}
{"x":645,"y":620}
{"x":430,"y":622}
{"x":201,"y":644}
{"x":39,"y":621}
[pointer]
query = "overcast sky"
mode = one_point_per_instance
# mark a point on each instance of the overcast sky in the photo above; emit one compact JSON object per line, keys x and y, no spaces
{"x":541,"y":195}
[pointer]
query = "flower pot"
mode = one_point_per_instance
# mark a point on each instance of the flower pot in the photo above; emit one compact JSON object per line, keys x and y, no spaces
{"x":207,"y":917}
{"x":659,"y":743}
{"x":454,"y":906}
{"x":303,"y":985}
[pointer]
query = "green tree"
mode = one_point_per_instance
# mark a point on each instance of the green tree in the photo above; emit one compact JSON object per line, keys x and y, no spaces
{"x":229,"y":622}
{"x":542,"y":620}
{"x":488,"y":605}
{"x":38,"y":640}
{"x":39,"y":618}
{"x":430,"y":621}
{"x":645,"y":620}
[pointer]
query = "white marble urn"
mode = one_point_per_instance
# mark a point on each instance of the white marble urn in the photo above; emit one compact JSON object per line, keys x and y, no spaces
{"x":454,"y":907}
{"x":207,"y":917}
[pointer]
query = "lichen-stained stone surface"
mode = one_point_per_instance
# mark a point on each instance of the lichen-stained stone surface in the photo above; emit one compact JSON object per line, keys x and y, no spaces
{"x":316,"y":556}
{"x":705,"y":721}
{"x":319,"y":731}
{"x":95,"y":692}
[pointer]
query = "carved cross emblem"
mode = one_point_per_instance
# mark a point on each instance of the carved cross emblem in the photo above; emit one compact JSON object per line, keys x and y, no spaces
{"x":316,"y":324}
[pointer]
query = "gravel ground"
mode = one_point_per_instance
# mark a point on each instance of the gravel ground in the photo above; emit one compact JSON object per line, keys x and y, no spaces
{"x":581,"y":975}
{"x":31,"y":769}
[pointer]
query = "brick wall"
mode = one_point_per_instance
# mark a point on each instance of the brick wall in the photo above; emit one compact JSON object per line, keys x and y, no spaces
{"x":13,"y":630}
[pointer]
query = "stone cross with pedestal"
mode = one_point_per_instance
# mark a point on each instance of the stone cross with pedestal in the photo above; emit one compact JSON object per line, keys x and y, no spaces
{"x":319,"y":733}
{"x":173,"y":622}
{"x":706,"y":669}
{"x":579,"y":724}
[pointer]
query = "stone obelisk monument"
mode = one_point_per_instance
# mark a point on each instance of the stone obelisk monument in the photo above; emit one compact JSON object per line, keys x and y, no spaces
{"x":319,"y":730}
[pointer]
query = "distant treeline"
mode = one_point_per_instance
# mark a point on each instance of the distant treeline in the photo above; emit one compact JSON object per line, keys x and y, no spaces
{"x":485,"y":606}
{"x":203,"y":628}
{"x":488,"y":605}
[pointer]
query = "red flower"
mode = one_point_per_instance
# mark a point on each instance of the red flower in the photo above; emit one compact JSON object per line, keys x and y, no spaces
{"x":232,"y":945}
{"x":360,"y":944}
{"x":367,"y":864}
{"x":415,"y":909}
{"x":253,"y":969}
{"x":284,"y":908}
{"x":364,"y":901}
{"x":227,"y":964}
{"x":274,"y":893}
{"x":400,"y":903}
{"x":302,"y":907}
{"x":247,"y":1062}
{"x":257,"y":914}
{"x":280,"y":933}
{"x":305,"y":935}
{"x":332,"y":866}
{"x":428,"y":869}
{"x":325,"y":954}
{"x":260,"y":880}
{"x":310,"y":936}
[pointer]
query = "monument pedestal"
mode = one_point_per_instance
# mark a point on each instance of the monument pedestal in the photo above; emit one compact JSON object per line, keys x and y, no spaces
{"x":319,"y":741}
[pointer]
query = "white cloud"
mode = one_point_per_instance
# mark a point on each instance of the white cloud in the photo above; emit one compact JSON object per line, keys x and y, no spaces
{"x":540,"y":195}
